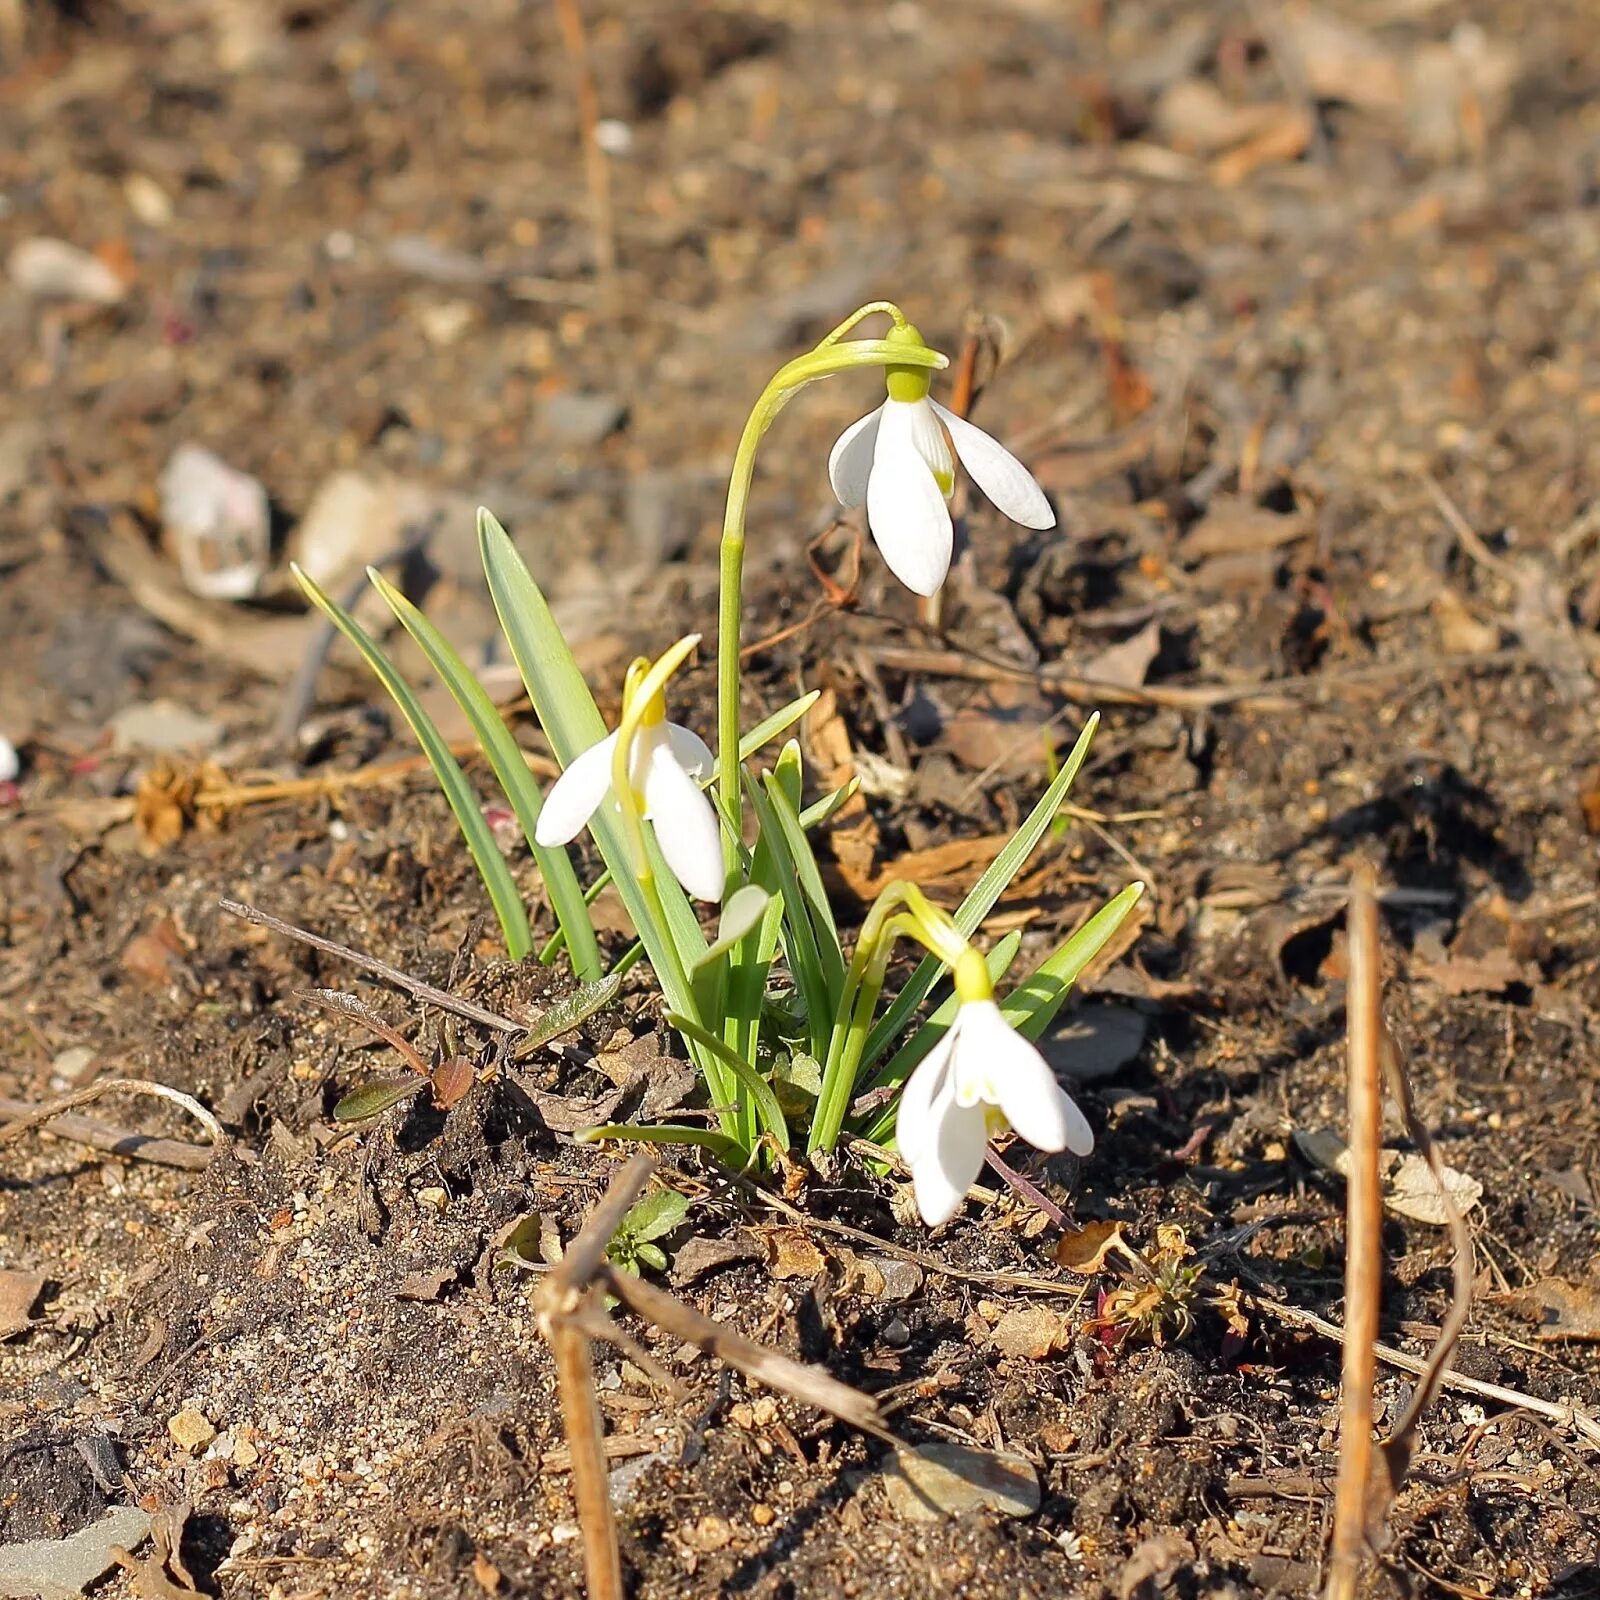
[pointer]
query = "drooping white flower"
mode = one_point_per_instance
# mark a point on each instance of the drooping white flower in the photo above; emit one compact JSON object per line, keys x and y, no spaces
{"x":665,"y":767}
{"x":898,"y":459}
{"x":981,"y":1077}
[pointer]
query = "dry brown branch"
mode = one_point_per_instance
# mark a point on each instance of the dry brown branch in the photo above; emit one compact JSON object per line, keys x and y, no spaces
{"x":562,"y":1301}
{"x":37,"y":1116}
{"x":1363,"y":1246}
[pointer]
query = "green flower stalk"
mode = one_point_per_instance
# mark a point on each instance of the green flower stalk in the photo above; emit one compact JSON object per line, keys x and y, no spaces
{"x":902,"y":351}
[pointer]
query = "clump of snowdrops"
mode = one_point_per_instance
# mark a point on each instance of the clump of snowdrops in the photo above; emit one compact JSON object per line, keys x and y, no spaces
{"x":775,"y":1000}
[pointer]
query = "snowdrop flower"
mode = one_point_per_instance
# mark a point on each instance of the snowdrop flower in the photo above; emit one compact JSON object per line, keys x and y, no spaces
{"x":899,"y":460}
{"x":663,"y":764}
{"x":981,"y":1077}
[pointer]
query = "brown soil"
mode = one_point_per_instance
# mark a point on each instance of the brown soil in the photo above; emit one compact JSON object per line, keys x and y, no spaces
{"x":1261,"y":367}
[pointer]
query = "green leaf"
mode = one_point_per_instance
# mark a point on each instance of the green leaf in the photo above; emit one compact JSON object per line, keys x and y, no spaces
{"x":769,"y":728}
{"x":475,"y":830}
{"x":981,"y":900}
{"x":373,"y":1099}
{"x":1032,"y":1006}
{"x":751,"y":1081}
{"x":744,"y":909}
{"x":494,"y":738}
{"x":573,"y":723}
{"x":720,"y":1144}
{"x":655,"y":1215}
{"x":569,"y":1012}
{"x":799,"y":936}
{"x":825,"y":809}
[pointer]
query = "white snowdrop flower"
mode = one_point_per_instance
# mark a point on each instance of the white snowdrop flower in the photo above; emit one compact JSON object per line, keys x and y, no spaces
{"x":665,"y":765}
{"x":981,"y":1077}
{"x":899,"y":460}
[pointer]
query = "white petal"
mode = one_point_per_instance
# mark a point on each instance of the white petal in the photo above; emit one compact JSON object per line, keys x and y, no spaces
{"x":686,"y":826}
{"x":945,"y":1173}
{"x":998,"y":473}
{"x":928,"y":440}
{"x":905,"y":509}
{"x":576,"y":794}
{"x":998,"y":1063}
{"x":921,"y":1099}
{"x":850,"y":460}
{"x":690,"y":751}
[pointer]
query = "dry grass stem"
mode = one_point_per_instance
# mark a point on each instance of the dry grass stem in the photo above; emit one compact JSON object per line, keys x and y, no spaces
{"x":596,"y":168}
{"x":39,"y":1115}
{"x":1363,"y":1278}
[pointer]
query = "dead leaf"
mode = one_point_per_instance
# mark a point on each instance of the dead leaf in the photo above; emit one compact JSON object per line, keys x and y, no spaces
{"x":828,"y":738}
{"x":1342,"y":61}
{"x":790,"y":1253}
{"x":697,"y":1257}
{"x":930,"y":1481}
{"x":1194,"y":116}
{"x":157,"y":955}
{"x":451,"y":1081}
{"x":1411,"y":1192}
{"x":1031,"y":1333}
{"x":1589,"y":801}
{"x":1485,"y":974}
{"x":18,"y":1292}
{"x":1560,"y":1309}
{"x":1000,"y":730}
{"x":1460,"y":632}
{"x":429,"y":1285}
{"x":1233,"y":525}
{"x":1154,"y":1563}
{"x":1127,"y":663}
{"x":1084,"y":1250}
{"x":1096,"y":1041}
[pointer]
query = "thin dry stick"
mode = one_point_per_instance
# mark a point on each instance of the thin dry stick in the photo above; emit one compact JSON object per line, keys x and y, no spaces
{"x":560,"y":1303}
{"x":423,"y":991}
{"x":596,"y":168}
{"x":40,"y":1115}
{"x":811,"y":1385}
{"x":117,"y":1141}
{"x":1363,"y":1245}
{"x":1583,"y":1423}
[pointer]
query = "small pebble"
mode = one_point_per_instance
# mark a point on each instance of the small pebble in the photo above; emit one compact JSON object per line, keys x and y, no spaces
{"x":191,"y":1429}
{"x":52,"y":269}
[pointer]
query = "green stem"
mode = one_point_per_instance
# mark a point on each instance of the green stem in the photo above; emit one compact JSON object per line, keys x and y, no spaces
{"x":828,"y":357}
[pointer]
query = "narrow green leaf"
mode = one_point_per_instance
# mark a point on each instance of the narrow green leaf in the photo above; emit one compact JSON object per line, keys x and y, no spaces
{"x":745,"y":908}
{"x":798,"y":934}
{"x":980,"y":901}
{"x":825,"y":809}
{"x":494,"y":738}
{"x":372,"y":1099}
{"x":558,"y":939}
{"x":769,"y":728}
{"x":1032,"y":1006}
{"x":573,"y":723}
{"x":757,"y":1087}
{"x":469,"y":817}
{"x":569,"y":1012}
{"x":663,"y":1133}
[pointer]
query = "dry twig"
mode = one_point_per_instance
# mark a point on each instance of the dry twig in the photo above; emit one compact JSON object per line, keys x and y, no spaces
{"x":596,"y":168}
{"x":37,"y":1116}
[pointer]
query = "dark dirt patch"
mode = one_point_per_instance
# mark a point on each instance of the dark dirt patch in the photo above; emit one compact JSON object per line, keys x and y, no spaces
{"x":356,"y":238}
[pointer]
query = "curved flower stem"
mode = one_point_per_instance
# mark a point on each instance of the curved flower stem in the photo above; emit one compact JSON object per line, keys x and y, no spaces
{"x":829,"y":356}
{"x":884,"y":923}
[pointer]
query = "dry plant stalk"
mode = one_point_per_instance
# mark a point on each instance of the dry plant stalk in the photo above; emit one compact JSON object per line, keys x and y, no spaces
{"x":571,"y":1310}
{"x":1370,"y":1478}
{"x":1363,"y":1243}
{"x":37,"y":1116}
{"x":596,"y":168}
